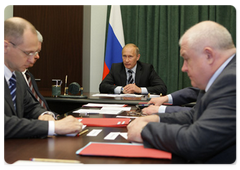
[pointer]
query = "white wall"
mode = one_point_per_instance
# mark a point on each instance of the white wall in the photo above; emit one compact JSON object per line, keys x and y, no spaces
{"x":98,"y":28}
{"x":93,"y":50}
{"x":94,"y":28}
{"x":8,"y":12}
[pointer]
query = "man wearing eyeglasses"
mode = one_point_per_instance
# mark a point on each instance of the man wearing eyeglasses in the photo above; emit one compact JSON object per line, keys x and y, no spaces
{"x":21,"y":111}
{"x":31,"y":83}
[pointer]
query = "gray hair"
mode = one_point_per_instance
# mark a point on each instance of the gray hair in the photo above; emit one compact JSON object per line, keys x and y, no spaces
{"x":40,"y":37}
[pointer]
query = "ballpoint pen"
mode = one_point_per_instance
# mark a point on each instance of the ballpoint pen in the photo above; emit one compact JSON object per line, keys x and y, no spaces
{"x":79,"y":134}
{"x":66,"y":88}
{"x":54,"y":160}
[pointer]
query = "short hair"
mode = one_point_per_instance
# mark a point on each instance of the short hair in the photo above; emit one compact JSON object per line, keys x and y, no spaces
{"x":40,"y":37}
{"x":133,"y":45}
{"x":15,"y":27}
{"x":210,"y":33}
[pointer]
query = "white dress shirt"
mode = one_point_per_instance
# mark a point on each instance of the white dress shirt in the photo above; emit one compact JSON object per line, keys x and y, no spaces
{"x":118,"y":89}
{"x":51,"y":124}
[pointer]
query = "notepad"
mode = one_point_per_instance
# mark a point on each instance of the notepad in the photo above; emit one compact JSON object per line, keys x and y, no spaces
{"x":122,"y":150}
{"x":105,"y":122}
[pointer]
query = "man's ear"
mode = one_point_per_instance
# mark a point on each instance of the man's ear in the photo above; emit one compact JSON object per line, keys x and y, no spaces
{"x":209,"y":55}
{"x":138,"y":57}
{"x":6,"y":46}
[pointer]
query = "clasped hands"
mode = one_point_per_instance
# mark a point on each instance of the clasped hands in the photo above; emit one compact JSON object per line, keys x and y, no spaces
{"x":131,"y":88}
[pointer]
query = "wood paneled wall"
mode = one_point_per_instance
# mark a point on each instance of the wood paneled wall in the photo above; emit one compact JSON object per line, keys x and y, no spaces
{"x":61,"y":54}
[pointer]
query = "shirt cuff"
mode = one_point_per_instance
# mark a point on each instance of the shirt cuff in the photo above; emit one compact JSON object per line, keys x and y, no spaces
{"x":144,"y":90}
{"x":117,"y":90}
{"x":162,"y":109}
{"x":170,"y":99}
{"x":51,"y":128}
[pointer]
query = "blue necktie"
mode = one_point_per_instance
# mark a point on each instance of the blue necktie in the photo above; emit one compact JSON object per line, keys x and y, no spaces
{"x":13,"y":88}
{"x":130,"y":79}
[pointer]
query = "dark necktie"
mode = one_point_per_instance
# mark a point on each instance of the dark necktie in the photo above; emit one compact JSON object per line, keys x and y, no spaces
{"x":33,"y":90}
{"x":130,"y":79}
{"x":13,"y":88}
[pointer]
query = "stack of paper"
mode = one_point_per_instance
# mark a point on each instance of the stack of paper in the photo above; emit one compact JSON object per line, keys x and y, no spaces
{"x":116,"y":95}
{"x":112,"y":109}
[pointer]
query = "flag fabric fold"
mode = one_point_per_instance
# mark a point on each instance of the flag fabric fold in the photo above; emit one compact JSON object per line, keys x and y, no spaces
{"x":115,"y":40}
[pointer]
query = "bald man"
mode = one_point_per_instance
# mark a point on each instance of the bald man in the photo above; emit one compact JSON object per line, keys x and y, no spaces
{"x":206,"y":133}
{"x":22,"y":113}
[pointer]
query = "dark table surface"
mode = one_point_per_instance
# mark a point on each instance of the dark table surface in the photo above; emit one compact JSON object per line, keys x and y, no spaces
{"x":63,"y":147}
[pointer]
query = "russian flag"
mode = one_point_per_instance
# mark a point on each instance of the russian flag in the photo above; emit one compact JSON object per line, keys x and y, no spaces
{"x":115,"y":40}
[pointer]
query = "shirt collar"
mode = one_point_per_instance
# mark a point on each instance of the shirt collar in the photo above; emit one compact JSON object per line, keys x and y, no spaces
{"x":8,"y":73}
{"x":218,"y":72}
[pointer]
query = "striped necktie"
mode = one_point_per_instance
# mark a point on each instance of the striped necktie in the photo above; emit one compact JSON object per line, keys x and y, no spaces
{"x":13,"y":88}
{"x":29,"y":79}
{"x":130,"y":79}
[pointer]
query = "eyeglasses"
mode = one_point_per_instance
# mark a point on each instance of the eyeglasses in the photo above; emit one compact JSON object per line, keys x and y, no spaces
{"x":25,"y":52}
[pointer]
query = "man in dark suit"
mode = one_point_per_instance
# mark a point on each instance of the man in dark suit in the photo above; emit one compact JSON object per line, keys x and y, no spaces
{"x":175,"y":99}
{"x":21,"y":111}
{"x":30,"y":80}
{"x":132,"y":76}
{"x":206,"y":133}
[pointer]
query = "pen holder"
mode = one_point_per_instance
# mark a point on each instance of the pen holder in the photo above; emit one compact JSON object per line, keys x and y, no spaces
{"x":56,"y":90}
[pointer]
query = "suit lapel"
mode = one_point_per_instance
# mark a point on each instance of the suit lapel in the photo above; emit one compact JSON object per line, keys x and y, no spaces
{"x":138,"y":74}
{"x":199,"y":105}
{"x":8,"y":97}
{"x":19,"y":94}
{"x":123,"y":75}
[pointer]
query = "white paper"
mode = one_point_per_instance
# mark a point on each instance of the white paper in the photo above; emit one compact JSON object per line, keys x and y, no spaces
{"x":74,"y":134}
{"x":116,"y":108}
{"x":86,"y":111}
{"x":94,"y":132}
{"x":112,"y":136}
{"x":116,"y":95}
{"x":94,"y":111}
{"x":124,"y":135}
{"x":103,"y":105}
{"x":127,"y":116}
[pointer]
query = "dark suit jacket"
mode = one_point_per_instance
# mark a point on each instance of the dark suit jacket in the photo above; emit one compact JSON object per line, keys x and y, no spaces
{"x":36,"y":90}
{"x":145,"y":76}
{"x":23,"y":122}
{"x":181,"y":97}
{"x":205,"y":132}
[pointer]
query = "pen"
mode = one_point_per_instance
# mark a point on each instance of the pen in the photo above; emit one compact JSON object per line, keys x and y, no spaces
{"x":66,"y":88}
{"x":54,"y":160}
{"x":79,"y":134}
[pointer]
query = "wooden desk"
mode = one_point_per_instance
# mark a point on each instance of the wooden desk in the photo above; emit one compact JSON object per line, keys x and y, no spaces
{"x":63,"y":105}
{"x":62,"y":147}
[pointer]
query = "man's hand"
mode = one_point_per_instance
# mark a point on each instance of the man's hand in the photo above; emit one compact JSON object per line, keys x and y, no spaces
{"x":135,"y":128}
{"x":67,"y":125}
{"x":131,"y":88}
{"x":158,"y":101}
{"x":46,"y":117}
{"x":150,"y":110}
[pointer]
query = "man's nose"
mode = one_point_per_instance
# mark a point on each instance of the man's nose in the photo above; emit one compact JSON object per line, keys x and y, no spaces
{"x":37,"y":56}
{"x":31,"y":59}
{"x":184,"y":67}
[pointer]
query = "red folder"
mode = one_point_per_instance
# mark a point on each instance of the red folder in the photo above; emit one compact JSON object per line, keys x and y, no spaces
{"x":122,"y":150}
{"x":105,"y":122}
